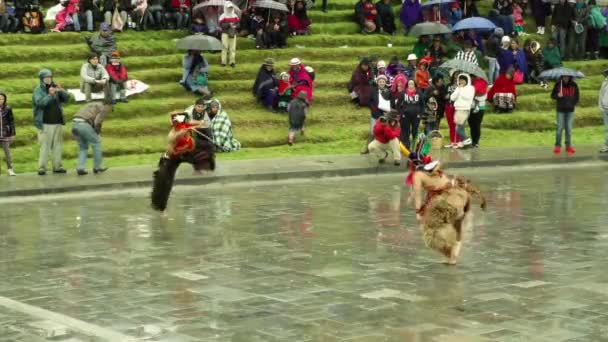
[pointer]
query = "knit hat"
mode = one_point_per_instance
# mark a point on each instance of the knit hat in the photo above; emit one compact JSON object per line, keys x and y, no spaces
{"x":499,"y":32}
{"x":412,"y":57}
{"x":295,"y":61}
{"x":381,"y":77}
{"x":105,"y":27}
{"x":115,"y":55}
{"x":381,"y":64}
{"x":269,"y":61}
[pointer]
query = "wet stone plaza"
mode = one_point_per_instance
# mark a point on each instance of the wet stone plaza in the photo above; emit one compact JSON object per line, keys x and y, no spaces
{"x":323,"y":260}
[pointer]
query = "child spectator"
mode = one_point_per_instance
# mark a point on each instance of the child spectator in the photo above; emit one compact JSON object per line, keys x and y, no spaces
{"x":551,"y":54}
{"x":430,"y":115}
{"x":297,"y":109}
{"x":285,"y":90}
{"x":423,"y":76}
{"x":7,"y":131}
{"x":118,"y":78}
{"x":518,"y":20}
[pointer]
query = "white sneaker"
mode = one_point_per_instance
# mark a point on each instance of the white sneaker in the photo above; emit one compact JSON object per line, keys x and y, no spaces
{"x":459,"y":145}
{"x":542,"y":30}
{"x":539,"y":30}
{"x":11,"y":172}
{"x":604,"y":149}
{"x":449,"y":146}
{"x":467,"y":142}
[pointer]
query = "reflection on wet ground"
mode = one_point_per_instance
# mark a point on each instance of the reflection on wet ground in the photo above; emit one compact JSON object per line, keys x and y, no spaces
{"x":329,"y":260}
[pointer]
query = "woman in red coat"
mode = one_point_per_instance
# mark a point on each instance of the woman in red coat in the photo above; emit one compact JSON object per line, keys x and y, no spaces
{"x":503,"y":93}
{"x":118,"y":77}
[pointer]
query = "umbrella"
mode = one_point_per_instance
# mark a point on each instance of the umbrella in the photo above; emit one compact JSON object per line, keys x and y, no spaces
{"x":427,"y":29}
{"x":557,"y":73}
{"x":199,"y":42}
{"x":271,"y":5}
{"x":308,"y":3}
{"x":474,"y":23}
{"x":436,"y":2}
{"x":219,"y":3}
{"x":464,"y":66}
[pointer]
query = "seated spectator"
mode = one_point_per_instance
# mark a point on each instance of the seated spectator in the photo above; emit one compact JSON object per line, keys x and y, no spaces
{"x":8,"y":21}
{"x":423,"y":76}
{"x":421,"y":48}
{"x":520,"y":63}
{"x":505,"y":57}
{"x":455,"y":14}
{"x":300,"y":79}
{"x":221,"y":128}
{"x":367,"y":16}
{"x":502,"y":21}
{"x":257,"y":25}
{"x":103,"y":44}
{"x":195,"y":73}
{"x":469,"y":8}
{"x":297,"y":20}
{"x":503,"y":94}
{"x":536,"y":63}
{"x":434,"y":15}
{"x":157,"y":13}
{"x":468,"y":53}
{"x":297,"y":109}
{"x":87,"y":12}
{"x":67,"y":16}
{"x":386,"y":138}
{"x":410,"y":14}
{"x":122,"y":9}
{"x":265,"y":85}
{"x":93,"y":77}
{"x":198,"y":24}
{"x":387,"y":16}
{"x":275,"y":34}
{"x":361,"y":81}
{"x":551,"y":54}
{"x":118,"y":78}
{"x":141,"y":16}
{"x":32,"y":21}
{"x":179,"y":12}
{"x":285,"y":91}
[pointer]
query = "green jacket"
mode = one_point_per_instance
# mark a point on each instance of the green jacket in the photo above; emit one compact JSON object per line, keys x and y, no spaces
{"x":552,"y":56}
{"x":41,"y":99}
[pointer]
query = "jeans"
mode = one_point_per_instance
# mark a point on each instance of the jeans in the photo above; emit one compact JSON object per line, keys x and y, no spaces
{"x":7,"y":153}
{"x":118,"y":87}
{"x":559,"y":34}
{"x":409,"y":126}
{"x":577,"y":44}
{"x":89,"y":21}
{"x":86,"y":135}
{"x":462,"y":134}
{"x":157,"y":18}
{"x":76,"y":22}
{"x":181,"y":19}
{"x":8,"y":23}
{"x":564,"y":122}
{"x":494,"y":70}
{"x":605,"y":114}
{"x":50,"y":139}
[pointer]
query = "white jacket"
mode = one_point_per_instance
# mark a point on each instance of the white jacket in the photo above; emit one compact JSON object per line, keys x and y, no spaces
{"x":603,"y":96}
{"x":463,"y":96}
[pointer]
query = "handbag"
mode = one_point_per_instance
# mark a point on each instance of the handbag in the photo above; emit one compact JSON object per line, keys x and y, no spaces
{"x":117,"y":23}
{"x":518,"y":77}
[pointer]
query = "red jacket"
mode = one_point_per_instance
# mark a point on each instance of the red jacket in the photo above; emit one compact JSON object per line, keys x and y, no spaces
{"x":385,"y":133}
{"x":117,"y":76}
{"x":502,"y":85}
{"x":176,"y":4}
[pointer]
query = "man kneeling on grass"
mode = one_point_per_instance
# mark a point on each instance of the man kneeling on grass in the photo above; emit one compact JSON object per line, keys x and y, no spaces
{"x":386,"y":138}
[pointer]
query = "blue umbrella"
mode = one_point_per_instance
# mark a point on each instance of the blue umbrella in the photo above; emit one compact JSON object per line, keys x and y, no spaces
{"x":437,"y":2}
{"x":557,"y":73}
{"x":474,"y":23}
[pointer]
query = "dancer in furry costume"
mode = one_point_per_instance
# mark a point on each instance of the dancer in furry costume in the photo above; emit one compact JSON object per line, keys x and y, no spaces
{"x":189,"y":142}
{"x":448,"y":200}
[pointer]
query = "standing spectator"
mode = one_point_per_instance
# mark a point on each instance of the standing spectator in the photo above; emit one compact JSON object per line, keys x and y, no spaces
{"x":603,"y":103}
{"x":195,"y":73}
{"x":381,"y":71}
{"x":380,"y":102}
{"x":469,"y":8}
{"x":179,"y":11}
{"x":502,"y":21}
{"x":492,"y":50}
{"x":157,"y":13}
{"x":8,"y":22}
{"x":578,"y":30}
{"x":297,"y":109}
{"x":387,"y":16}
{"x":450,"y":111}
{"x":229,"y":23}
{"x":265,"y":85}
{"x":221,"y":128}
{"x":7,"y":131}
{"x":412,"y":63}
{"x":566,"y":94}
{"x":428,"y":117}
{"x":561,"y":21}
{"x":93,"y":78}
{"x":597,"y":22}
{"x":386,"y":138}
{"x":47,"y":104}
{"x":540,"y":10}
{"x":370,"y":17}
{"x":504,"y":7}
{"x":439,"y":91}
{"x":102,"y":44}
{"x":361,"y":81}
{"x":551,"y":54}
{"x":478,"y":110}
{"x":423,"y":76}
{"x":68,"y":15}
{"x":86,"y":128}
{"x":297,"y":20}
{"x":118,"y":78}
{"x":410,"y":105}
{"x":503,"y":93}
{"x":468,"y":53}
{"x":393,"y":67}
{"x":411,"y":14}
{"x":463,"y":98}
{"x":87,"y":9}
